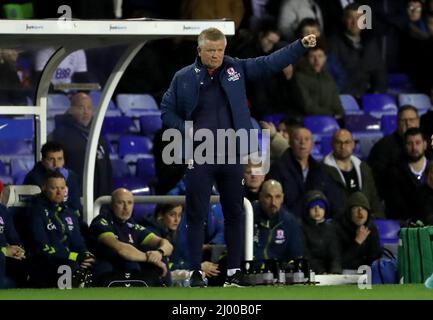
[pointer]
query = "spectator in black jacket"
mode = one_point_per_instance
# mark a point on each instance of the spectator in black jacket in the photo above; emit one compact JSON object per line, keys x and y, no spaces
{"x":299,"y":172}
{"x":357,"y":235}
{"x":359,"y":55}
{"x":72,"y":131}
{"x":408,"y":174}
{"x":53,"y":160}
{"x":320,"y":241}
{"x":390,"y":149}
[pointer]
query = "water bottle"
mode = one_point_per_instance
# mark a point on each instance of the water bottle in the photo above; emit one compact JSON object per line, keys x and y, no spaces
{"x":281,"y":277}
{"x":312,"y":277}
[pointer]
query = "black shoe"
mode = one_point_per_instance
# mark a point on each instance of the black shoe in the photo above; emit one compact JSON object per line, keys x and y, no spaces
{"x":196,"y":280}
{"x":239,"y":279}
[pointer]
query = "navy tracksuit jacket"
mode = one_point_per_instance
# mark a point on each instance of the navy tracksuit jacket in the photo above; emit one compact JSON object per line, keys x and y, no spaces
{"x":218,"y":101}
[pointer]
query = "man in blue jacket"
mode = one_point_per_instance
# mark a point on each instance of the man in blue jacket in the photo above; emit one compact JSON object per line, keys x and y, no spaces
{"x":55,"y":235}
{"x":211,"y":93}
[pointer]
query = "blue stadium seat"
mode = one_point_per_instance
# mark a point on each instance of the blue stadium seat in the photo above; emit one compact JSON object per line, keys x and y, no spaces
{"x":420,"y":101}
{"x":120,"y":168}
{"x":150,"y":123}
{"x":399,"y":83}
{"x":143,"y":211}
{"x":15,"y":147}
{"x":57,"y":103}
{"x":366,"y":141}
{"x":388,"y":123}
{"x":20,"y":167}
{"x":389,"y":231}
{"x":112,"y":110}
{"x":378,"y":104}
{"x":6,"y":179}
{"x":117,"y":125}
{"x":146,"y":168}
{"x":326,"y":145}
{"x":135,"y":105}
{"x":350,"y":105}
{"x":134,"y":145}
{"x":321,"y":125}
{"x":3,"y":170}
{"x":361,"y":123}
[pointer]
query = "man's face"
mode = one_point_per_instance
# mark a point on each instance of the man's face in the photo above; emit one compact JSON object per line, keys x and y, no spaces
{"x":271,"y":200}
{"x":55,"y":190}
{"x":414,"y":10}
{"x":253,"y":181}
{"x":122,"y":205}
{"x":343,"y":145}
{"x":82,"y":110}
{"x":408,"y":119}
{"x":301,"y":143}
{"x":172,"y":218}
{"x":317,"y":59}
{"x":351,"y":23}
{"x":310,"y":30}
{"x":212,"y":53}
{"x":53,"y":160}
{"x":359,"y":215}
{"x":268,"y":41}
{"x":415,"y":147}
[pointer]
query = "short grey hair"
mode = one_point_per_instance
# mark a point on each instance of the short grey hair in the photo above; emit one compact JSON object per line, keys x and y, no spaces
{"x":211,"y":34}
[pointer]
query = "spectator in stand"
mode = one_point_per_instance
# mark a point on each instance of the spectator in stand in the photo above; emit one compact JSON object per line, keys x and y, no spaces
{"x":12,"y":90}
{"x":12,"y":253}
{"x":417,"y":48}
{"x":277,"y":234}
{"x":390,"y":149}
{"x":332,"y":11}
{"x":318,"y":88}
{"x":407,"y":174}
{"x":299,"y":172}
{"x":121,"y":244}
{"x":73,"y":132}
{"x":53,"y":160}
{"x":359,"y":56}
{"x":280,"y":139}
{"x":357,"y":235}
{"x":56,"y":237}
{"x":248,"y":44}
{"x":350,"y":173}
{"x":253,"y":182}
{"x":333,"y":66}
{"x":320,"y":241}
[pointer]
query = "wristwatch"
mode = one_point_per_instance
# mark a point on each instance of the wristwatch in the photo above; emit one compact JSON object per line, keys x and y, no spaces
{"x":161,"y":251}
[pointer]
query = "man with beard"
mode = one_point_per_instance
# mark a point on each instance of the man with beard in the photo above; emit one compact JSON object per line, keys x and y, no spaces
{"x":406,"y":176}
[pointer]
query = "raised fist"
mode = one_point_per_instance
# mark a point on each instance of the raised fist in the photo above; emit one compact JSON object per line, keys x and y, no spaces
{"x":309,"y":41}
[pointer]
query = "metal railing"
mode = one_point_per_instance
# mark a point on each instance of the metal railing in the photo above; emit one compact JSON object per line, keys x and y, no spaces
{"x":248,"y":209}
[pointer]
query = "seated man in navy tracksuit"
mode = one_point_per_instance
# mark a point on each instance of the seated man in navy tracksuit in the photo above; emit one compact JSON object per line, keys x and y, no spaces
{"x":11,"y":251}
{"x":277,"y":233}
{"x":55,"y":235}
{"x":211,"y":93}
{"x":124,"y":246}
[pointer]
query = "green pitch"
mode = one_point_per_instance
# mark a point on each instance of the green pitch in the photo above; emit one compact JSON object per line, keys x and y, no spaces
{"x":350,"y":292}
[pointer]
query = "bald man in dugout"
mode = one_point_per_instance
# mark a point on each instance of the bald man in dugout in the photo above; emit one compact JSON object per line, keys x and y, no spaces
{"x":118,"y":231}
